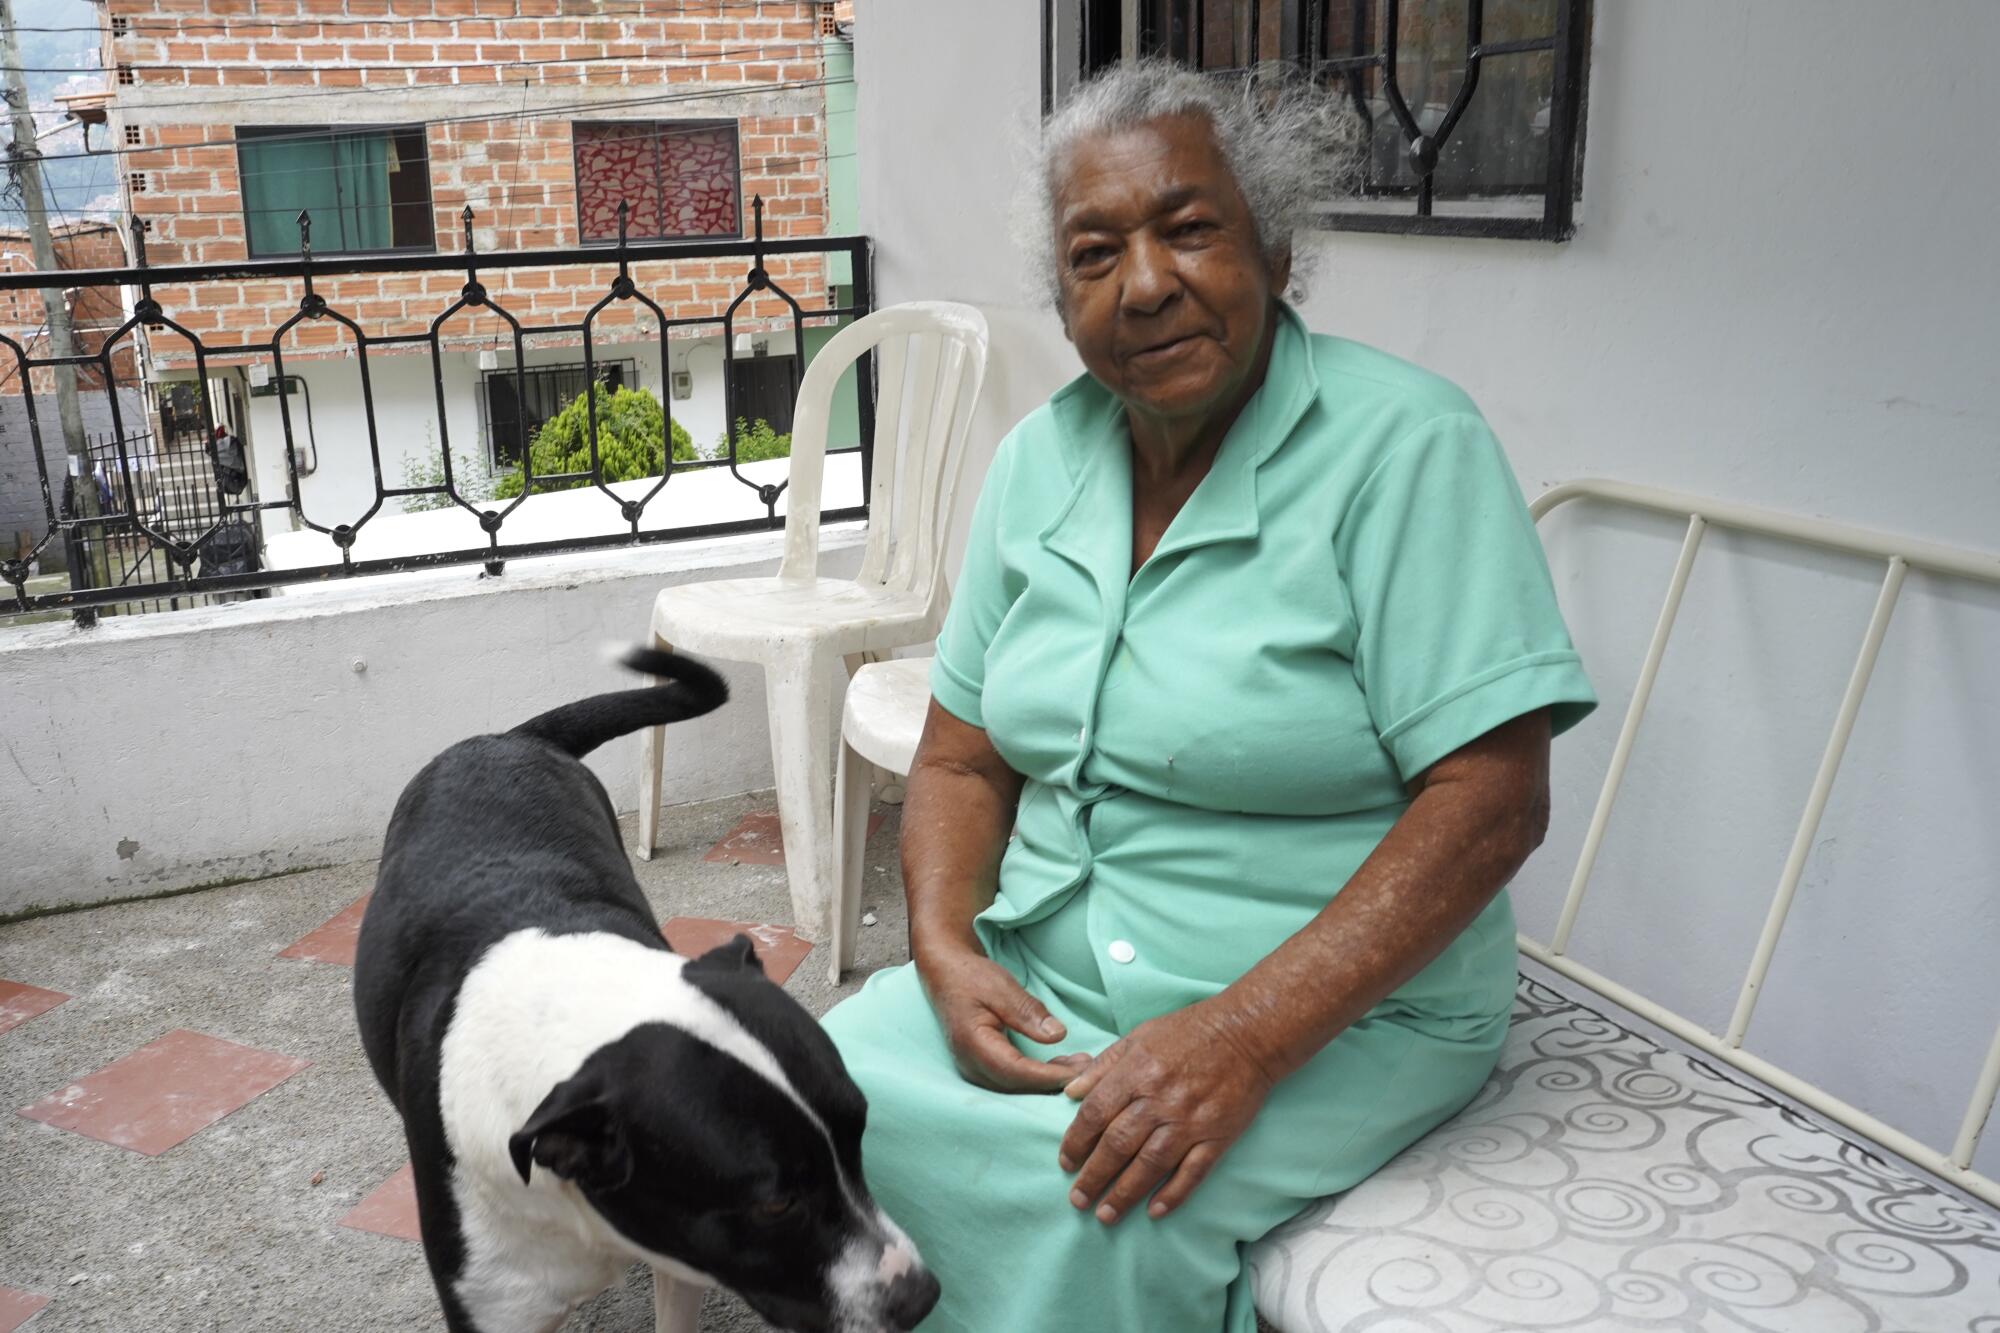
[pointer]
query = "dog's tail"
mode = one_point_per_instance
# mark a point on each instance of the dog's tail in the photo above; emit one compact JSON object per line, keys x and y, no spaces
{"x":581,"y":727}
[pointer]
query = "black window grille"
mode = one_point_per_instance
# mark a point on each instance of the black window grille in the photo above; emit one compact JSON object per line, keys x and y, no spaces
{"x":519,"y":402}
{"x":1472,"y":111}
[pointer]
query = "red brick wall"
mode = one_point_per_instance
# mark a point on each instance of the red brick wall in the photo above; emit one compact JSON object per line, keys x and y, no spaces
{"x":518,"y":175}
{"x":94,"y":315}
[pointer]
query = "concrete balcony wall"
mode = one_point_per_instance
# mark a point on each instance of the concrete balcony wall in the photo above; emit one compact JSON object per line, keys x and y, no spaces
{"x":161,"y":751}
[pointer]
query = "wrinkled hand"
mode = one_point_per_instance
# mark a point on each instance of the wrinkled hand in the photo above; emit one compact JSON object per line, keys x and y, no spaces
{"x":978,"y":1001}
{"x":1163,"y":1104}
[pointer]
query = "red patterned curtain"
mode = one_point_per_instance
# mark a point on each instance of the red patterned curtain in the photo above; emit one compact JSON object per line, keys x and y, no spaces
{"x":680,"y":180}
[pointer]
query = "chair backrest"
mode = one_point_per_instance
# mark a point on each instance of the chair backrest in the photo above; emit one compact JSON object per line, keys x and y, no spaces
{"x":931,"y":363}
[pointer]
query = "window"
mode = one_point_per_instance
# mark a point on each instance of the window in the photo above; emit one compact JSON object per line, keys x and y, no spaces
{"x":367,"y":190}
{"x":682,"y":178}
{"x":1472,"y":113}
{"x":132,"y":136}
{"x":518,"y":402}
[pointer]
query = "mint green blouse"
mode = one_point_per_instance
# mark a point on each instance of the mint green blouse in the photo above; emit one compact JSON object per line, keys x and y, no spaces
{"x":1354,"y":591}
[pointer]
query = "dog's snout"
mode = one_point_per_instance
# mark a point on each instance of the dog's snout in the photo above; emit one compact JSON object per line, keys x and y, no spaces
{"x":911,"y":1297}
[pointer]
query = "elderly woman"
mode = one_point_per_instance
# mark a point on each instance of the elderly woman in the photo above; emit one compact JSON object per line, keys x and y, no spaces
{"x":1256,"y":655}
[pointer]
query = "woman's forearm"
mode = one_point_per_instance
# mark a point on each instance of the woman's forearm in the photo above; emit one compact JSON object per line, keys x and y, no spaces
{"x":1473,"y":823}
{"x":958,"y":808}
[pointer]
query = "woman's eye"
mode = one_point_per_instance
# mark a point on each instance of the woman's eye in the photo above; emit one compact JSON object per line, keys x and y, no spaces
{"x":1085,"y":258}
{"x":1195,"y":227}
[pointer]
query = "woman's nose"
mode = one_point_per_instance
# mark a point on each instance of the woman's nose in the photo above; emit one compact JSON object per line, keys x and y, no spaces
{"x":1150,"y":278}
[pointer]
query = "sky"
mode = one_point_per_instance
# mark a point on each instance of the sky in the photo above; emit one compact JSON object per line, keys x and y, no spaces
{"x":77,"y":187}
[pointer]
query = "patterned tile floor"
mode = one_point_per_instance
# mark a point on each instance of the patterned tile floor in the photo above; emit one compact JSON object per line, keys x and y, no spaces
{"x":197,"y":1143}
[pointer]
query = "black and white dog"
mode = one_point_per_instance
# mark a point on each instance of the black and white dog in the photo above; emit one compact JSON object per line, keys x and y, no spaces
{"x":578,"y":1098}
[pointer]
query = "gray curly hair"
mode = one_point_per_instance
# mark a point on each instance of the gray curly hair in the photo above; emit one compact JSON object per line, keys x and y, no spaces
{"x":1291,"y":143}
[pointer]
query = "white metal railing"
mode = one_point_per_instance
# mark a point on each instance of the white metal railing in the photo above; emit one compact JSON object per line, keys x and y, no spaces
{"x":1900,"y":555}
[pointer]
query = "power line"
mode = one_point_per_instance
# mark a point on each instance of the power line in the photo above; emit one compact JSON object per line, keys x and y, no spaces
{"x":662,"y":99}
{"x":168,"y":24}
{"x":143,"y":108}
{"x":650,"y":131}
{"x":508,"y":217}
{"x":469,"y":192}
{"x":644,"y":61}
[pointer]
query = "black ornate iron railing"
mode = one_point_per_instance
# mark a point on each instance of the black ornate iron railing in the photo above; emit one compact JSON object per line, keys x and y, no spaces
{"x":1365,"y":46}
{"x":175,"y":563}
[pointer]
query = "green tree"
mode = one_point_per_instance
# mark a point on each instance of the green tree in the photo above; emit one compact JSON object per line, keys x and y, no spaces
{"x":630,"y":428}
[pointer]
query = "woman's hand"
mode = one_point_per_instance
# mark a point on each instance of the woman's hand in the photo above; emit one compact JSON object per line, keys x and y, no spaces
{"x":978,"y":1001}
{"x":1163,"y":1104}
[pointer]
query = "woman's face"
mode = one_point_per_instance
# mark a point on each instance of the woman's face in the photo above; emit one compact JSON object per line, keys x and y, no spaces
{"x":1165,"y":290}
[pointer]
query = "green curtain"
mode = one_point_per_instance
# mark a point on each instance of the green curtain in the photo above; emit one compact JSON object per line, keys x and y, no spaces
{"x":342,"y":180}
{"x":363,"y":161}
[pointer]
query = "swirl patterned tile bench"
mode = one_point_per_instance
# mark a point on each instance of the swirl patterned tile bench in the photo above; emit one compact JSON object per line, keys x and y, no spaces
{"x":1602,"y":1183}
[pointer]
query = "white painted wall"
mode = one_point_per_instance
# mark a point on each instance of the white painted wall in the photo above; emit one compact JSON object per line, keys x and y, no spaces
{"x":160,"y":751}
{"x":1782,"y":292}
{"x":692,"y":499}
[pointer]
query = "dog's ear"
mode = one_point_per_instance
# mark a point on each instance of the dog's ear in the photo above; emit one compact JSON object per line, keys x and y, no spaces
{"x":574,"y":1134}
{"x":739,"y":953}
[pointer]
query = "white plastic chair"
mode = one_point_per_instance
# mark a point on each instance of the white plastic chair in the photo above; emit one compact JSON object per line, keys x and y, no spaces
{"x":884,"y":717}
{"x":799,"y":623}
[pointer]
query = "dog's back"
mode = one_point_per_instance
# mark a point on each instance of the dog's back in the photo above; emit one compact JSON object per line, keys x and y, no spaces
{"x":497,"y":834}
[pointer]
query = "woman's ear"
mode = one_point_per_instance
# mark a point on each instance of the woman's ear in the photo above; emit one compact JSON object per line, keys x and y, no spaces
{"x":1281,"y":274}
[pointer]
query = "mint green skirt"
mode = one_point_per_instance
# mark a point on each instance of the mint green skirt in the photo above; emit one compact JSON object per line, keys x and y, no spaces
{"x":972,"y":1174}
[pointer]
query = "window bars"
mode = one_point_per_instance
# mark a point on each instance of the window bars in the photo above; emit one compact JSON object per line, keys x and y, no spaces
{"x":1503,"y":159}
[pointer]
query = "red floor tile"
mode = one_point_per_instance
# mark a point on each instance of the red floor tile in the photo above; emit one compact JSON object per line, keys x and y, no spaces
{"x":757,"y":840}
{"x":390,"y":1209}
{"x":18,"y":1307}
{"x":778,"y":948}
{"x":19,"y":1003}
{"x":165,"y":1092}
{"x":333,"y":940}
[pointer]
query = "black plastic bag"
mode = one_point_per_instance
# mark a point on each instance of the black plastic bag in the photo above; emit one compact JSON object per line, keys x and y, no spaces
{"x":230,"y":549}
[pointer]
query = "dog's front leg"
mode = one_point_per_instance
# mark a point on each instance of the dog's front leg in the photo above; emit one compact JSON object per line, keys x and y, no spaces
{"x":676,"y":1304}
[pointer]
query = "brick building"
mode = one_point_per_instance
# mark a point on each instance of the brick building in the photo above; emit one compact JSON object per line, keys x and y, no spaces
{"x":541,"y":116}
{"x":95,"y":312}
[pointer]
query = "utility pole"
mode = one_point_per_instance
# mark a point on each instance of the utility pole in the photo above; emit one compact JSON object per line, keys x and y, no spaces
{"x":24,"y":160}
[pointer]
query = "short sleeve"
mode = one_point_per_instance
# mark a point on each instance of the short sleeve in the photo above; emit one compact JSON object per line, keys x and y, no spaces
{"x":1457,"y":627}
{"x":979,"y":602}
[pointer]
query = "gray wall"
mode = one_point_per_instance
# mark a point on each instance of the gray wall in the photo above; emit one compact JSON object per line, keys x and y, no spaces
{"x":20,"y":489}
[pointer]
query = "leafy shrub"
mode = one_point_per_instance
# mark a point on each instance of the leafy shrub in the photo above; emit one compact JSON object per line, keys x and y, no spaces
{"x":755,"y":443}
{"x":427,"y":469}
{"x":630,"y":427}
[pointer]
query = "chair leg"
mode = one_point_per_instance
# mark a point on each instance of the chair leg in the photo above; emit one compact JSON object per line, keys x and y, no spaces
{"x":850,"y":844}
{"x":676,"y":1304}
{"x":802,"y":738}
{"x":651,"y":760}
